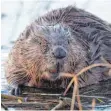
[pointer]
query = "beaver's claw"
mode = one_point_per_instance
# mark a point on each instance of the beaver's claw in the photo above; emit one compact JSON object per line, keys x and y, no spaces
{"x":17,"y":91}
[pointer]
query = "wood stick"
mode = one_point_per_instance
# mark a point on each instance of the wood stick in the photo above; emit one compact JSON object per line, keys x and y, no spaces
{"x":93,"y":104}
{"x":24,"y":103}
{"x":12,"y":97}
{"x":58,"y":106}
{"x":62,"y":102}
{"x":74,"y":92}
{"x":78,"y":100}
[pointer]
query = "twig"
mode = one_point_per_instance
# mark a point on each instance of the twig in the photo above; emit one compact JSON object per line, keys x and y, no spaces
{"x":78,"y":100}
{"x":68,"y":75}
{"x":74,"y":79}
{"x":24,"y":103}
{"x":62,"y":102}
{"x":39,"y":105}
{"x":69,"y":85}
{"x":93,"y":104}
{"x":44,"y":94}
{"x":92,"y":96}
{"x":105,"y":61}
{"x":84,"y":70}
{"x":92,"y":66}
{"x":58,"y":106}
{"x":74,"y":93}
{"x":12,"y":97}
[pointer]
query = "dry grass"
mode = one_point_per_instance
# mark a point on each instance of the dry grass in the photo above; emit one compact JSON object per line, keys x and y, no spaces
{"x":76,"y":89}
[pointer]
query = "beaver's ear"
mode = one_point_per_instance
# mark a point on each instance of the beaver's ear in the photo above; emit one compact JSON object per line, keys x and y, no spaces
{"x":27,"y":33}
{"x":38,"y":30}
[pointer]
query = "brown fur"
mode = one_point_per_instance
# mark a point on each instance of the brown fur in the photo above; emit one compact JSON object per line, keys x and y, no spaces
{"x":83,"y":36}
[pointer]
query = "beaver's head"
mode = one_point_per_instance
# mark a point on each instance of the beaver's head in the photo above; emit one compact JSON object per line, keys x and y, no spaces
{"x":59,"y":49}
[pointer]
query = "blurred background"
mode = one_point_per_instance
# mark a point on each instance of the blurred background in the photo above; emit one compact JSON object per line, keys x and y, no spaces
{"x":16,"y":15}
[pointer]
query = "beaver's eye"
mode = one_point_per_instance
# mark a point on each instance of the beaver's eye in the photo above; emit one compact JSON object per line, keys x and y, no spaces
{"x":39,"y":41}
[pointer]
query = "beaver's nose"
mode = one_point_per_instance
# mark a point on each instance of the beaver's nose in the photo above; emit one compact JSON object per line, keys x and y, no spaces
{"x":59,"y":53}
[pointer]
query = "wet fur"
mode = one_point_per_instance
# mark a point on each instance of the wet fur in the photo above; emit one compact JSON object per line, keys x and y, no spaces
{"x":89,"y":39}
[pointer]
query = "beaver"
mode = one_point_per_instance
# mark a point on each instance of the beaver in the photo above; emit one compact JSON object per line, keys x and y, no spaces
{"x":64,"y":40}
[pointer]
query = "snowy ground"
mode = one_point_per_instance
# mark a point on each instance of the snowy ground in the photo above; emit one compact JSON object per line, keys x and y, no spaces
{"x":16,"y":15}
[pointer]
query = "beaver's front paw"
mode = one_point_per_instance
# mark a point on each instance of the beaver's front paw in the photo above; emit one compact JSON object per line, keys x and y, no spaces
{"x":17,"y":91}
